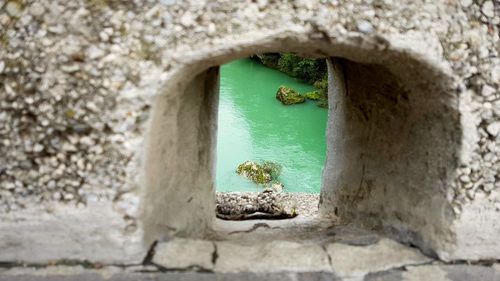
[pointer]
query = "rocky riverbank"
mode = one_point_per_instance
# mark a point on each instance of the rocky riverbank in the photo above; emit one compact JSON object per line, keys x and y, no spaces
{"x":267,"y":204}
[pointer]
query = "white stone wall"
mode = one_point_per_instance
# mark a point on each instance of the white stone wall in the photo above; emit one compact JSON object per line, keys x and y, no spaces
{"x":76,"y":81}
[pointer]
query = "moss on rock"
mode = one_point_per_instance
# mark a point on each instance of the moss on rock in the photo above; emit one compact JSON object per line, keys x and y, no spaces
{"x":288,"y":96}
{"x":319,"y":96}
{"x":323,"y":103}
{"x":314,"y":95}
{"x":260,"y":173}
{"x":321,"y":84}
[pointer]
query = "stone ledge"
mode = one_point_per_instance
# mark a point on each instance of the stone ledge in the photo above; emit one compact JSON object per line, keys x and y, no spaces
{"x":438,"y":273}
{"x":179,"y":276}
{"x":94,"y":234}
{"x":276,"y":256}
{"x":435,"y":272}
{"x":351,"y":261}
{"x":183,"y":253}
{"x":345,"y":260}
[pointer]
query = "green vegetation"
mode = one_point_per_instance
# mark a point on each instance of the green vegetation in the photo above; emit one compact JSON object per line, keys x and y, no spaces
{"x":314,"y":95}
{"x":309,"y":70}
{"x":263,"y":173}
{"x":288,"y":96}
{"x":312,"y":71}
{"x":322,"y":85}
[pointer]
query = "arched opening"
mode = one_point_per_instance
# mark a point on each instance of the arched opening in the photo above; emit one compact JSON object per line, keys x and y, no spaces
{"x":392,"y":140}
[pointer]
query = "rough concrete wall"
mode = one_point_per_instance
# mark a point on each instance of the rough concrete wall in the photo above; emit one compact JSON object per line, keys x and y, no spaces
{"x":76,"y":78}
{"x":180,"y":158}
{"x":392,"y":155}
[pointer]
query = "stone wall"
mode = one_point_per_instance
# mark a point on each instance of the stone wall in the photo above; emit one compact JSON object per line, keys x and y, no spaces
{"x":77,"y":80}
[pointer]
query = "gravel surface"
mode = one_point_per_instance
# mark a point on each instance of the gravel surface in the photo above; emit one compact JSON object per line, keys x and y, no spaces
{"x":236,"y":204}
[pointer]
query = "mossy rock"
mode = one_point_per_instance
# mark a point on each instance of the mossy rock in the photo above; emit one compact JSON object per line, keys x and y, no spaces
{"x":272,"y":168}
{"x":259,"y":173}
{"x":320,"y":97}
{"x":322,"y":90}
{"x":288,"y":96}
{"x":321,"y":84}
{"x":314,"y":95}
{"x":254,"y":172}
{"x":323,"y":103}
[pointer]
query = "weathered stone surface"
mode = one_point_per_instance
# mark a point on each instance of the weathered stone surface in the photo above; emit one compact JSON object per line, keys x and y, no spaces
{"x":472,"y":220}
{"x":95,"y":234}
{"x":437,"y":273}
{"x":424,"y":273}
{"x":357,"y":189}
{"x":185,"y":254}
{"x":356,"y":261}
{"x":190,"y":210}
{"x":469,"y":272}
{"x":412,"y":273}
{"x":61,"y":271}
{"x":175,"y":276}
{"x":276,"y":256}
{"x":414,"y":157}
{"x":350,"y":199}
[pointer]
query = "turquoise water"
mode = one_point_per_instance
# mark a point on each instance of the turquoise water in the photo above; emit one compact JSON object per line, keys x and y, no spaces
{"x":254,"y":125}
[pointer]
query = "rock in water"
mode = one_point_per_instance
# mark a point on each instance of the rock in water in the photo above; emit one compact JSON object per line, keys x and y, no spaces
{"x":265,"y":173}
{"x":319,"y":95}
{"x":259,"y":173}
{"x":254,"y":172}
{"x":288,"y":96}
{"x":323,"y":103}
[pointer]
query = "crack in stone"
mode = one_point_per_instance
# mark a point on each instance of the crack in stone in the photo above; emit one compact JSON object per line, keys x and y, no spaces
{"x":254,"y":227}
{"x":196,"y":268}
{"x":328,"y":255}
{"x":358,"y":192}
{"x":148,"y":259}
{"x":191,"y":268}
{"x":370,"y":274}
{"x":397,"y":268}
{"x":65,"y":262}
{"x":486,"y":262}
{"x":215,"y":254}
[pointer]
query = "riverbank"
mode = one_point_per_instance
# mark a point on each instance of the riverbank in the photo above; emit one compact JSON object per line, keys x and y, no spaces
{"x":303,"y":204}
{"x":311,"y":71}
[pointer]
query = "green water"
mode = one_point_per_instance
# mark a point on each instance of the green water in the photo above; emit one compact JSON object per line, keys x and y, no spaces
{"x":253,"y":125}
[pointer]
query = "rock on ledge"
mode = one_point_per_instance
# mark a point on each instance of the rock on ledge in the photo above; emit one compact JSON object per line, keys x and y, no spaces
{"x":268,"y":204}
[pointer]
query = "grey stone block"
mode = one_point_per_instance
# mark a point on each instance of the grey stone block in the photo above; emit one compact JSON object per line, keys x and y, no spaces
{"x":276,"y":256}
{"x":355,"y":261}
{"x":185,"y":253}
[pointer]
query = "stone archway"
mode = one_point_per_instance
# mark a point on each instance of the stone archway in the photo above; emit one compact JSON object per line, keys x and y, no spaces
{"x":393,"y":137}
